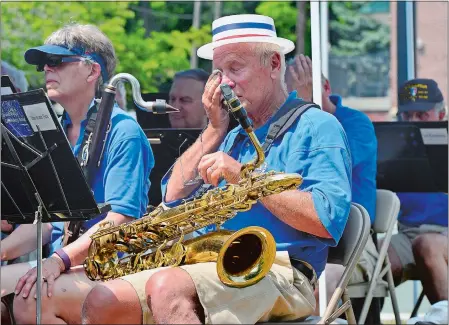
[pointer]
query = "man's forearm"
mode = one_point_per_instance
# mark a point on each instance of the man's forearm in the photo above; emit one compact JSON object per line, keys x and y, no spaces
{"x":23,"y":240}
{"x":296,"y":209}
{"x":77,"y":251}
{"x":207,"y":143}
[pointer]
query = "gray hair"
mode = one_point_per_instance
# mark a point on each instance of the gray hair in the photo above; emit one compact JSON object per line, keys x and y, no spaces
{"x":17,"y":76}
{"x":441,"y":107}
{"x":266,"y":51}
{"x":91,"y":39}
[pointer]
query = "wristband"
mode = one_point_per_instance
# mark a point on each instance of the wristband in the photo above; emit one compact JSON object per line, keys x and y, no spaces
{"x":65,"y":258}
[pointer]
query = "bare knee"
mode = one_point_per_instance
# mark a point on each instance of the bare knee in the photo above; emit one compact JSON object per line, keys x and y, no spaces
{"x":428,"y":248}
{"x":25,"y":310}
{"x":101,"y":305}
{"x":170,"y":292}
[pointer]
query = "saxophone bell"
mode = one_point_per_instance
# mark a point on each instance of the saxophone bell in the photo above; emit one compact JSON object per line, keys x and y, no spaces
{"x":246,"y":257}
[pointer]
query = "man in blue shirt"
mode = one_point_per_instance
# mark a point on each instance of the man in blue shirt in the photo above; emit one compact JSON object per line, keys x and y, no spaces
{"x":77,"y":60}
{"x":363,"y":145}
{"x":420,"y":247}
{"x":305,"y":222}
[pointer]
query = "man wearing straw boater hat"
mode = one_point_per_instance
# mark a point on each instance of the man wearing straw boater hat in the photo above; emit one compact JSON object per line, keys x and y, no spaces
{"x":305,"y":222}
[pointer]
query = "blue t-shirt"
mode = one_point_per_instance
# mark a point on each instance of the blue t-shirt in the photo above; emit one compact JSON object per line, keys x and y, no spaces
{"x":363,"y":144}
{"x":315,"y":146}
{"x":123,"y":179}
{"x":423,"y":208}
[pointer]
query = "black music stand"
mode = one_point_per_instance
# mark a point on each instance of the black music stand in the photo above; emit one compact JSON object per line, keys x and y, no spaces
{"x":412,"y":156}
{"x":7,"y":86}
{"x":167,"y":146}
{"x":41,"y":179}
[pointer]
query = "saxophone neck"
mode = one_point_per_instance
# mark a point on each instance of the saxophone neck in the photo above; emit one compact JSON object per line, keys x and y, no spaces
{"x":260,"y":155}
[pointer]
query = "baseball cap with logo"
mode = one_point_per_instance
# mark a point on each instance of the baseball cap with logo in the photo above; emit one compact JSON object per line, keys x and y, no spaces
{"x":418,"y":95}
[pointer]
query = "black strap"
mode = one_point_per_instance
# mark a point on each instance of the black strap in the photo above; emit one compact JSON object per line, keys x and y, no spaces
{"x":74,"y":229}
{"x":283,"y":119}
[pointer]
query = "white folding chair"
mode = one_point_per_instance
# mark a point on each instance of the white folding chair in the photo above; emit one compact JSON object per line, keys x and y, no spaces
{"x":347,"y":254}
{"x":387,"y":209}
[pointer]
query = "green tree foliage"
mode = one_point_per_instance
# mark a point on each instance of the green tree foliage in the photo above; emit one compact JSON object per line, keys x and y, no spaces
{"x":353,"y":33}
{"x":360,"y":51}
{"x":151,"y":60}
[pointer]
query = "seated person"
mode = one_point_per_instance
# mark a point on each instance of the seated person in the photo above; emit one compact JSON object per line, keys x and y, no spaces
{"x":185,"y":94}
{"x":305,"y":221}
{"x":420,"y":247}
{"x":363,"y":145}
{"x":86,"y":61}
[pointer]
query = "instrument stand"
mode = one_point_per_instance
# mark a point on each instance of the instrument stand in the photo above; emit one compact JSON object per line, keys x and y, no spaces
{"x":41,"y":180}
{"x":38,"y":222}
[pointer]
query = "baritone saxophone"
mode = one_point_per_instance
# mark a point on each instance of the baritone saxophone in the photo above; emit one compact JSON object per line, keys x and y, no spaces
{"x":156,"y":240}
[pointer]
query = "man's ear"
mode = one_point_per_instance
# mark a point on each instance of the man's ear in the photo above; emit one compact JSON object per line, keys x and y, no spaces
{"x":327,"y":87}
{"x":275,"y":65}
{"x":94,"y":73}
{"x":441,"y":115}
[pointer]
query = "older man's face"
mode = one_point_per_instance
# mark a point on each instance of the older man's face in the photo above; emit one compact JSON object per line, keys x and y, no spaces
{"x":423,"y":116}
{"x":243,"y":71}
{"x":185,"y":95}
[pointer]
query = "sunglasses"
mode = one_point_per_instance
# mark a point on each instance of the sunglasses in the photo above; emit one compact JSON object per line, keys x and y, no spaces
{"x":54,"y":61}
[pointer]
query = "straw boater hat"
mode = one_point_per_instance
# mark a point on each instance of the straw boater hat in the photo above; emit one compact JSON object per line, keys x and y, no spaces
{"x":243,"y":28}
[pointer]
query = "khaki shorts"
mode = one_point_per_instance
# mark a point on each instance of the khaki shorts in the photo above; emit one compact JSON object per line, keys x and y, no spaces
{"x":363,"y":272}
{"x":402,"y":244}
{"x":284,"y":294}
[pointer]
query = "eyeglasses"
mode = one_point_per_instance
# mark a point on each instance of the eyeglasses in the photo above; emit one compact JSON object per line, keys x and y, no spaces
{"x":54,"y":61}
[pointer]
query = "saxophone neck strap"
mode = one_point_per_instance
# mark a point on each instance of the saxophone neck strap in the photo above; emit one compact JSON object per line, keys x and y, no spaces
{"x":282,"y":120}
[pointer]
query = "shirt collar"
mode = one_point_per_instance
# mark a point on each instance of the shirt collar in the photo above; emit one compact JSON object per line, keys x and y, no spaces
{"x":336,"y":100}
{"x":264,"y":127}
{"x":66,"y":118}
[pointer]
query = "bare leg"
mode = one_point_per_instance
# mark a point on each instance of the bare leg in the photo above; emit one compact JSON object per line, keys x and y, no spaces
{"x":396,"y":264}
{"x":174,"y":302}
{"x":10,"y":275}
{"x":430,"y":252}
{"x":114,"y":302}
{"x":171,"y":297}
{"x":63,"y":307}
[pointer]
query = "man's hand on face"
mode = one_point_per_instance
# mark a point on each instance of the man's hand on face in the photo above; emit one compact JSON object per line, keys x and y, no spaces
{"x":299,"y":77}
{"x":218,"y":117}
{"x":215,"y":166}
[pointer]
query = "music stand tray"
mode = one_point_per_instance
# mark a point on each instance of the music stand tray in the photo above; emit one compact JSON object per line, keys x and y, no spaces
{"x":41,"y":179}
{"x":412,"y":156}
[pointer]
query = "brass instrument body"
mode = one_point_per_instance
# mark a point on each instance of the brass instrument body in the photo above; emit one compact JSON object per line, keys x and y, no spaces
{"x":154,"y":231}
{"x":156,"y":240}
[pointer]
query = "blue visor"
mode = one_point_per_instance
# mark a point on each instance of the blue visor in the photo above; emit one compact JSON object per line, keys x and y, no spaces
{"x":37,"y":55}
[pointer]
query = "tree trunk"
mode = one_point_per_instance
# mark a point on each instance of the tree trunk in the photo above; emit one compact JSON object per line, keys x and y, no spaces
{"x":300,"y":26}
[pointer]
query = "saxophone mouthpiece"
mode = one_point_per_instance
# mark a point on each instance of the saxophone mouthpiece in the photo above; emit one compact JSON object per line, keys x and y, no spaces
{"x":171,"y":109}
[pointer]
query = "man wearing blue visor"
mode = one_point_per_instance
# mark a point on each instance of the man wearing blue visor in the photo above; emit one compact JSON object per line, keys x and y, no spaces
{"x":77,"y":60}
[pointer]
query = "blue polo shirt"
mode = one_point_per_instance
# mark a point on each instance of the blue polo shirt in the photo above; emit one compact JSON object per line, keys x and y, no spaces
{"x":123,"y":179}
{"x":315,"y":146}
{"x":423,"y":209}
{"x":363,"y":144}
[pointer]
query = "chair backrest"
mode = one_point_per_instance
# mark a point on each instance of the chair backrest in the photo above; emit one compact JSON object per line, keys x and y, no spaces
{"x":387,"y":210}
{"x":354,"y":237}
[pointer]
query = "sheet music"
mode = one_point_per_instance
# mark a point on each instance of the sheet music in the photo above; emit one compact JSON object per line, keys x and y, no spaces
{"x":14,"y":118}
{"x":38,"y":114}
{"x":434,"y":136}
{"x":6,"y":91}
